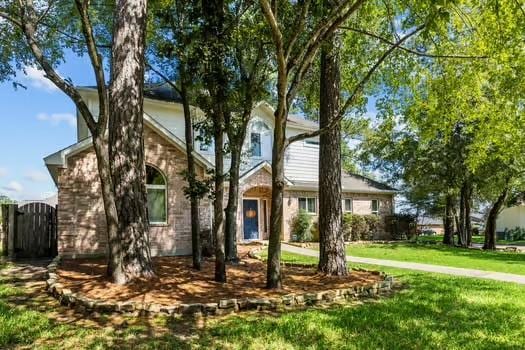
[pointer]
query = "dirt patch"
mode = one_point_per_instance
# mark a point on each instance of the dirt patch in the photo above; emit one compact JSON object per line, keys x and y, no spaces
{"x":177,"y":282}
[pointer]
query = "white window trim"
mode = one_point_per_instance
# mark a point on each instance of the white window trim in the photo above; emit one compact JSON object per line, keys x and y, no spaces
{"x":351,"y":205}
{"x":372,"y":206}
{"x":260,"y":145}
{"x":307,"y":198}
{"x":160,"y":187}
{"x":307,"y":143}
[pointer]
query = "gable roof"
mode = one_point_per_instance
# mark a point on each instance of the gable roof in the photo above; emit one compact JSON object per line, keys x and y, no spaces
{"x":351,"y":183}
{"x":261,"y":165}
{"x":59,"y":159}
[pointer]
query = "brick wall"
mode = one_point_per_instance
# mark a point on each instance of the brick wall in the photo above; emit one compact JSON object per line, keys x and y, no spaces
{"x":362,"y":205}
{"x":81,"y":221}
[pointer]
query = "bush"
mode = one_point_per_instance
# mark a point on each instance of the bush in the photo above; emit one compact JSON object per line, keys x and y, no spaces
{"x":515,"y":234}
{"x":301,"y":227}
{"x":314,"y":231}
{"x":347,"y":227}
{"x":373,"y":224}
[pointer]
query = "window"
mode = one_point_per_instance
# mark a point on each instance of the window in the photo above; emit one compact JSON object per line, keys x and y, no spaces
{"x":157,"y":198}
{"x":375,"y":206}
{"x":308,"y":204}
{"x":311,"y":142}
{"x":347,"y":205}
{"x":265,"y":214}
{"x":204,"y":142}
{"x":255,"y":140}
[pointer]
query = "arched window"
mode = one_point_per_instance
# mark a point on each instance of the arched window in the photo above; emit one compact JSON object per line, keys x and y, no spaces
{"x":157,"y":196}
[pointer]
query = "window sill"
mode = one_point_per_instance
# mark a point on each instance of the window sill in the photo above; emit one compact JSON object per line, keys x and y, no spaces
{"x":158,"y":224}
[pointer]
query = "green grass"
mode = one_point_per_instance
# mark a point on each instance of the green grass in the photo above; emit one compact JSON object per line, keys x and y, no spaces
{"x":430,"y":311}
{"x":475,"y":239}
{"x":442,"y":255}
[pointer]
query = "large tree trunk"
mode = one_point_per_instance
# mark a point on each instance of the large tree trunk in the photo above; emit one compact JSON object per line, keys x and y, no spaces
{"x":126,"y":142}
{"x":233,"y":204}
{"x":448,"y":221}
{"x":196,"y":248}
{"x":332,"y":255}
{"x":490,"y":227}
{"x":273,"y":274}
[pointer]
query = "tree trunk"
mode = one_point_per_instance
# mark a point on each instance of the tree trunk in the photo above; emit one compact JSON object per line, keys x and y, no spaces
{"x":448,"y":221}
{"x":196,"y":248}
{"x":218,"y":206}
{"x":332,"y":255}
{"x":465,"y":226}
{"x":273,"y":275}
{"x":126,"y":142}
{"x":468,"y":221}
{"x":216,"y":81}
{"x":490,"y":227}
{"x":233,"y":203}
{"x":101,"y":152}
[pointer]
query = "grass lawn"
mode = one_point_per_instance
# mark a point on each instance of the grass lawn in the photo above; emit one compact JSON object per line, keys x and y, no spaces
{"x":442,"y":255}
{"x":430,"y":312}
{"x":475,"y":239}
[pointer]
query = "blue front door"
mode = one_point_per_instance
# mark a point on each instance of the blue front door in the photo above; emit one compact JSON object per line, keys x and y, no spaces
{"x":251,"y":219}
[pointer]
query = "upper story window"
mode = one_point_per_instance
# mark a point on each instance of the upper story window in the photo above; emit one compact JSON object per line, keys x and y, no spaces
{"x":309,"y":204}
{"x":375,"y":206}
{"x":204,"y":143}
{"x":347,"y":205}
{"x":255,"y":142}
{"x":311,"y":142}
{"x":157,"y":196}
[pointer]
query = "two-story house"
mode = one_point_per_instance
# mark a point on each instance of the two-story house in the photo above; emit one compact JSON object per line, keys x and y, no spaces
{"x":81,"y":220}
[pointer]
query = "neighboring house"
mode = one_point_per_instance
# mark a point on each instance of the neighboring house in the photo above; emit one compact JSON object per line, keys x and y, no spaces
{"x":510,"y":218}
{"x":81,"y":221}
{"x":426,"y":223}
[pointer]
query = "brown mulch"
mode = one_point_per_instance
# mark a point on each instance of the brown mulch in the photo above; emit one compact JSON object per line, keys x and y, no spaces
{"x":177,"y":282}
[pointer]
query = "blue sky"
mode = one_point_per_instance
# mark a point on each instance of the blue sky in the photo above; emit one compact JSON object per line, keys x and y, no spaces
{"x":35,"y":123}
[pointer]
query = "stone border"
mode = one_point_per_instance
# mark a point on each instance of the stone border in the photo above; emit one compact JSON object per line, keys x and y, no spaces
{"x":224,"y":306}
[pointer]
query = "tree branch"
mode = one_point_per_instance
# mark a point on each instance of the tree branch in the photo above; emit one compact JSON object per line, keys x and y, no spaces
{"x":28,"y":28}
{"x":165,"y":78}
{"x":96,"y":63}
{"x":357,"y":90}
{"x":298,"y":28}
{"x":306,"y":56}
{"x":412,"y":51}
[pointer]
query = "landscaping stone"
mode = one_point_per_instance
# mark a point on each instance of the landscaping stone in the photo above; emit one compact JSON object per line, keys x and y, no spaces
{"x":190,"y":309}
{"x":83,"y":304}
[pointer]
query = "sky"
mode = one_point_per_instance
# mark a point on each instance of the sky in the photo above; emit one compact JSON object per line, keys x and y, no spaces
{"x":36,"y":122}
{"x":39,"y":121}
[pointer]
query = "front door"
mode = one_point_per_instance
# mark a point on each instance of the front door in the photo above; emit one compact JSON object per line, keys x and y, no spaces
{"x":251,"y":219}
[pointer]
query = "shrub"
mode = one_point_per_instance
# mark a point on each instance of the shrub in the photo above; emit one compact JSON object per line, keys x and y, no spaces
{"x":347,"y":227}
{"x":314,"y":231}
{"x":373,"y":224}
{"x":301,"y":227}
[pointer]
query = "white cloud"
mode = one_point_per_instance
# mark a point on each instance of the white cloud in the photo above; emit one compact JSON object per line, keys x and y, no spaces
{"x":57,"y":118}
{"x":36,"y":176}
{"x":3,"y":172}
{"x":14,"y":186}
{"x":37,"y":79}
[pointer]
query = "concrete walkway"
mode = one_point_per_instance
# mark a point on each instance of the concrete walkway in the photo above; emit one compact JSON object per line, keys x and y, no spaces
{"x":456,"y":271}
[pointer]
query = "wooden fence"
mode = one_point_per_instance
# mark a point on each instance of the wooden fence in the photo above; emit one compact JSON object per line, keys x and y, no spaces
{"x":29,"y":231}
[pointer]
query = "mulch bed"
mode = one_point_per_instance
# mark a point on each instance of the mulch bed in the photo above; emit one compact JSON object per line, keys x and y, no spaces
{"x":177,"y":282}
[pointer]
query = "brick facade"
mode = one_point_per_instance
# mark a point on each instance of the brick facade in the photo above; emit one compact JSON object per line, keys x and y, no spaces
{"x":81,"y":220}
{"x":362,"y":205}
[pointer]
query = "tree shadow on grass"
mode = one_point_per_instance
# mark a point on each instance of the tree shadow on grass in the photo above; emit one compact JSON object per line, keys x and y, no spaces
{"x":434,"y":313}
